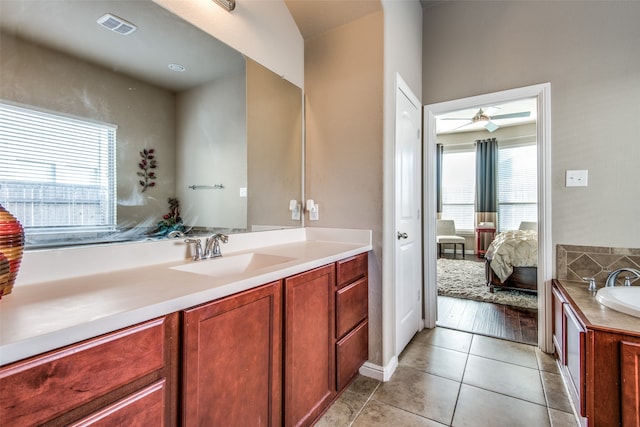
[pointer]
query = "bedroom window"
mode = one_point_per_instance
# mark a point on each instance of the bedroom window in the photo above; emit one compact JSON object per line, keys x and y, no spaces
{"x":458,"y":188}
{"x":517,"y":186}
{"x":58,"y":172}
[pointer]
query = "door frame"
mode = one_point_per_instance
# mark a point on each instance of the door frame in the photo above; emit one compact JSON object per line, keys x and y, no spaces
{"x":542,"y":92}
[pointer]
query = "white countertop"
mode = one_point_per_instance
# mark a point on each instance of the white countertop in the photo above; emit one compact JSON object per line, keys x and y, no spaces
{"x":39,"y":316}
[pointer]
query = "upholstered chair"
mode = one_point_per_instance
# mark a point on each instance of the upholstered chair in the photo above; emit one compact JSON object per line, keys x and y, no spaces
{"x":446,"y":234}
{"x":528,"y":225}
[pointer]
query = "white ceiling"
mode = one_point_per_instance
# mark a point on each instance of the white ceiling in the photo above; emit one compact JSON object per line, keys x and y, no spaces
{"x":465,"y":125}
{"x":162,"y":38}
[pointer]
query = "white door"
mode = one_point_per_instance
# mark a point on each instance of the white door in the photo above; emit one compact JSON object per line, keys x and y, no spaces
{"x":408,"y":250}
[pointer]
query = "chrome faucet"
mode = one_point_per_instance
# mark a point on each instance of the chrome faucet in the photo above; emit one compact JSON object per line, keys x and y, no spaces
{"x":212,"y":246}
{"x":197,"y":256}
{"x":175,"y":234}
{"x":611,"y":280}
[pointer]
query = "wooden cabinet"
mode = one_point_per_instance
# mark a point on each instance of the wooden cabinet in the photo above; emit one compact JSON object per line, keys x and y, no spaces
{"x":630,"y":377}
{"x":309,"y":363}
{"x":574,"y":357}
{"x":274,"y":355}
{"x":557,"y":302}
{"x":232,"y":360}
{"x":128,"y":374}
{"x":352,"y":326}
{"x":601,"y":366}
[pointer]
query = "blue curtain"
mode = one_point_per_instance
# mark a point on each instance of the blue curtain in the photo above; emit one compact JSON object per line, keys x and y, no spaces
{"x":486,"y":175}
{"x":439,"y":151}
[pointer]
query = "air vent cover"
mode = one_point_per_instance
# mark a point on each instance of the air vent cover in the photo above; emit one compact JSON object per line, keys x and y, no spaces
{"x":116,"y":24}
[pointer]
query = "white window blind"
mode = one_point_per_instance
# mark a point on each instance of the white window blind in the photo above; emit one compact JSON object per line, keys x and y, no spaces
{"x":517,"y":186}
{"x":57,"y":173}
{"x":459,"y":188}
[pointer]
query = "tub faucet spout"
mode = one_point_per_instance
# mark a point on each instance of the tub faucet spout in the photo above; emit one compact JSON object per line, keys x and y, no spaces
{"x":611,"y":280}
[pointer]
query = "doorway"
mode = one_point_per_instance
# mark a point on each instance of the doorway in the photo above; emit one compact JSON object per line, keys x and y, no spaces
{"x":542,"y":277}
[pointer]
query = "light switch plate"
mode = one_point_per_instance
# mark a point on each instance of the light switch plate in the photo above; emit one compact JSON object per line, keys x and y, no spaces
{"x":577,"y":178}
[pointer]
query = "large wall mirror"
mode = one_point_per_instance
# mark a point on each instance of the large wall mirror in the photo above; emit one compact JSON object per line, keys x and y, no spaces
{"x":224,"y":132}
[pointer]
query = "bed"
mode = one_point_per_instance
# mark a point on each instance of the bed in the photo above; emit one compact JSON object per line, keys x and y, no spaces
{"x":511,"y":261}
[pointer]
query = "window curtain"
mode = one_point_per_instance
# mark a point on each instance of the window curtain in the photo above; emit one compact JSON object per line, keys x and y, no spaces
{"x":486,"y":182}
{"x":439,"y":151}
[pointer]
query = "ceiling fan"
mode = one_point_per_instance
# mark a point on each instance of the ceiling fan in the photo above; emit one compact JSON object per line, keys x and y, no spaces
{"x":483,"y":116}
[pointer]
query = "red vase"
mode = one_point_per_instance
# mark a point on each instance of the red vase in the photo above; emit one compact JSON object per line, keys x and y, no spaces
{"x":11,"y":249}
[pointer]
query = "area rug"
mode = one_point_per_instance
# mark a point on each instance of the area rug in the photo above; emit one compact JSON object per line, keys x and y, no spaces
{"x":466,"y":280}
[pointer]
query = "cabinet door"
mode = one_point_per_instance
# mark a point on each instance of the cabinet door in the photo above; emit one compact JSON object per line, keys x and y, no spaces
{"x":232,"y":360}
{"x":557,"y":301}
{"x":575,"y":336}
{"x":630,"y":375}
{"x":309,"y":340}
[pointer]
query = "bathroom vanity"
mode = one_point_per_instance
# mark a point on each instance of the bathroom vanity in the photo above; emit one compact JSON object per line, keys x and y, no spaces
{"x":598,"y":350}
{"x":274,"y":344}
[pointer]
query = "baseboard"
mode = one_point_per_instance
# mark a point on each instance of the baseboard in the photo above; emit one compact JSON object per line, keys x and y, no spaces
{"x":377,"y":372}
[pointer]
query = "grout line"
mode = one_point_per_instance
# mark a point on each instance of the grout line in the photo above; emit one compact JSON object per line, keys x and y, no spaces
{"x":365,"y":403}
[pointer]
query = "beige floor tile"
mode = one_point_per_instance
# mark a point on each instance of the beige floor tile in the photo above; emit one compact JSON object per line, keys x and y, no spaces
{"x":435,"y":360}
{"x":377,"y":414}
{"x":562,"y":419}
{"x":447,"y":338}
{"x":506,"y":351}
{"x":555,"y":391}
{"x":423,"y":394}
{"x":547,"y":362}
{"x":345,"y":409}
{"x":505,"y":378}
{"x":483,"y":408}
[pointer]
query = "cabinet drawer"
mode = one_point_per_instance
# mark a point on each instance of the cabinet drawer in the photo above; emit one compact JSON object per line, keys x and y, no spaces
{"x":41,"y":388}
{"x":351,"y":352}
{"x":351,"y":269}
{"x":144,"y":408}
{"x":351,"y":306}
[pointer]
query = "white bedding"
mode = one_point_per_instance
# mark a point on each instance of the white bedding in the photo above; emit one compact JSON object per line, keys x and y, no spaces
{"x":515,"y":248}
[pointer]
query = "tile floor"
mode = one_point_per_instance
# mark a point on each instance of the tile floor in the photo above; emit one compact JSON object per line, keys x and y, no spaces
{"x":447,"y":377}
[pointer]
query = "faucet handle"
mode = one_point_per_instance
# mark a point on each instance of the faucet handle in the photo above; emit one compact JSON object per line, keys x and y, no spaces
{"x":198,"y":253}
{"x":627,"y":280}
{"x":592,"y":283}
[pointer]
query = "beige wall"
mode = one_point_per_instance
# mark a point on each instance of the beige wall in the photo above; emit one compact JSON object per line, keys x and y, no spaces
{"x":211,"y":148}
{"x":344,"y":113}
{"x":144,"y":114}
{"x":588,"y":51}
{"x":274,"y":133}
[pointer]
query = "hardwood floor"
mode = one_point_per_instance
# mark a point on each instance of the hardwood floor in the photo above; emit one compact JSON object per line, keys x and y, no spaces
{"x":494,"y":320}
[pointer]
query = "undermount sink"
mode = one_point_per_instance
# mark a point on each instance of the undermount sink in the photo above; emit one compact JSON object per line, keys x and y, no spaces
{"x":233,"y":264}
{"x":625,"y":299}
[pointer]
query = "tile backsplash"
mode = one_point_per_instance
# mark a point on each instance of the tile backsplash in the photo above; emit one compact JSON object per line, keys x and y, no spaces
{"x":575,"y":262}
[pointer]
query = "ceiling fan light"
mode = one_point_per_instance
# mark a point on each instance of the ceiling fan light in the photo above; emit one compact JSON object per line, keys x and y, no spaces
{"x":480,"y":116}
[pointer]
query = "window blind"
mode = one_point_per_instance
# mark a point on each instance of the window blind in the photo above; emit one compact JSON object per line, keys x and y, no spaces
{"x":458,"y":188}
{"x":517,"y":186}
{"x":57,"y":173}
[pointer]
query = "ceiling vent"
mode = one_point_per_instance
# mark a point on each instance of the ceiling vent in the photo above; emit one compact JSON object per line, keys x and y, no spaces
{"x":116,"y":24}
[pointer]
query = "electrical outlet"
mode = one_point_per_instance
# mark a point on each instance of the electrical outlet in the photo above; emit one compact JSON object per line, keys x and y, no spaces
{"x":313,"y":214}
